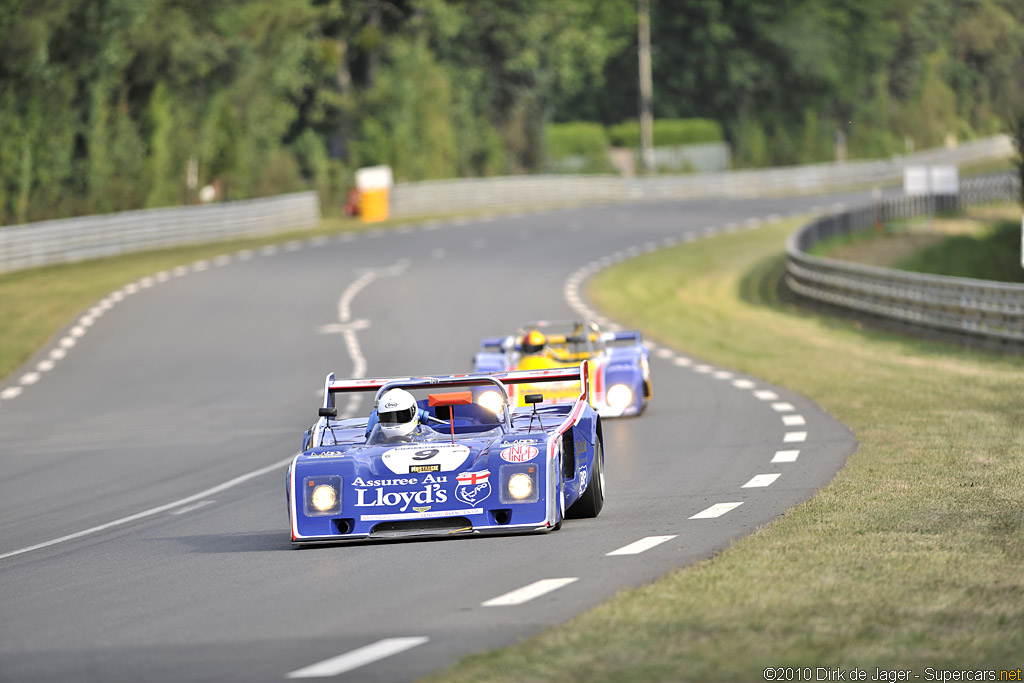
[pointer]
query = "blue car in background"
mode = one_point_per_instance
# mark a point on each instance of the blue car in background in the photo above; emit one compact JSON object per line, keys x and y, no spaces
{"x":620,"y":379}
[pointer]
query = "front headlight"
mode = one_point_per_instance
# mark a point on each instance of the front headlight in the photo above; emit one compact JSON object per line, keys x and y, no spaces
{"x":322,"y":495}
{"x":520,"y":486}
{"x":519,"y":483}
{"x":619,"y":396}
{"x":492,"y":401}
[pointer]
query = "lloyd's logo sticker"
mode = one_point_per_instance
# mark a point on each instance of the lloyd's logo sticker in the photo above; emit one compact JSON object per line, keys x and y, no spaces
{"x":473,"y":487}
{"x":519,"y":453}
{"x":430,"y":493}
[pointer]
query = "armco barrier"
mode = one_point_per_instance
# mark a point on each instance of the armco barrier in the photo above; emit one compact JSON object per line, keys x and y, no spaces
{"x":74,"y":239}
{"x":524,"y":192}
{"x":87,"y":237}
{"x":978,"y":311}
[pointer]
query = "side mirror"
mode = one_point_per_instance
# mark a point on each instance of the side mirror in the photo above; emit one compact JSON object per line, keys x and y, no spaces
{"x":327,"y":412}
{"x":531,"y":399}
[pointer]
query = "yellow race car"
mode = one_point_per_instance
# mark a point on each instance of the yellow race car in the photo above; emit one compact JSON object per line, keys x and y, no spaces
{"x":620,"y":369}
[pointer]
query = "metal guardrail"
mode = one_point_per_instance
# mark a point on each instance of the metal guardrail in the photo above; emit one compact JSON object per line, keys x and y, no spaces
{"x":87,"y":237}
{"x":517,"y":192}
{"x":76,"y":239}
{"x":980,"y":311}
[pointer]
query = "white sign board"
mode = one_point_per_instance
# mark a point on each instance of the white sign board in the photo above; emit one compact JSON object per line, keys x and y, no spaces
{"x":374,"y":178}
{"x":925,"y":180}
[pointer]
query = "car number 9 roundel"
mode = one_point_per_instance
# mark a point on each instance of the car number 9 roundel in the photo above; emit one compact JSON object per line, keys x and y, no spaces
{"x":425,"y":457}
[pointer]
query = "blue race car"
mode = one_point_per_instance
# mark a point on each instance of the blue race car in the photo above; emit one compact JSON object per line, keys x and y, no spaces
{"x":443,"y":456}
{"x":620,"y":369}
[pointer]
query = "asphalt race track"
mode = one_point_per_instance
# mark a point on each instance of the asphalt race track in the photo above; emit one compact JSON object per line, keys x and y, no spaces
{"x":143,"y":532}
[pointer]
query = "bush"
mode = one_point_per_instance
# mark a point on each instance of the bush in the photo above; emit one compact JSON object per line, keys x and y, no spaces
{"x":578,"y":146}
{"x":667,"y":132}
{"x":575,"y":138}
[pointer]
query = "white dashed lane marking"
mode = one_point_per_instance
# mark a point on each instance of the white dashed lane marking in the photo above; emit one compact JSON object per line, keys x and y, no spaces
{"x":766,"y":395}
{"x":640,"y":546}
{"x":783,"y":407}
{"x":786,"y":456}
{"x":761,"y":480}
{"x":9,"y":393}
{"x":792,"y":437}
{"x":527,"y":593}
{"x":743,"y":384}
{"x":357,"y":658}
{"x":716,"y":510}
{"x":793,"y":420}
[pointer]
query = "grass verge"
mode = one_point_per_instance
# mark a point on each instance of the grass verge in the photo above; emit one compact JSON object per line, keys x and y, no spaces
{"x":984,"y":243}
{"x":911,"y":558}
{"x":994,"y":254}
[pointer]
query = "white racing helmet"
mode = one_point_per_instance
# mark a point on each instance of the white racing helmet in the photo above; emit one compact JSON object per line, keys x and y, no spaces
{"x":397,"y":413}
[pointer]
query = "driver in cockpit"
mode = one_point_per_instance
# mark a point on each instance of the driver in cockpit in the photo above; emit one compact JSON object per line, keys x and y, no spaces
{"x":397,"y":418}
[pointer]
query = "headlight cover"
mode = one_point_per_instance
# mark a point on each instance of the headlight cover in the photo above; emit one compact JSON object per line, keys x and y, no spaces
{"x":322,"y":495}
{"x":619,"y":396}
{"x":519,"y":483}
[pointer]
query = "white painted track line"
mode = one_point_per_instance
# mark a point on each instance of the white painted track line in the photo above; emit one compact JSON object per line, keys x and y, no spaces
{"x":10,"y":392}
{"x":527,"y":593}
{"x":716,"y":510}
{"x":761,"y":480}
{"x":783,"y":407}
{"x":793,"y":437}
{"x":786,"y":456}
{"x":357,"y":658}
{"x":793,"y":420}
{"x":193,"y":506}
{"x":157,"y":510}
{"x":640,"y":546}
{"x":766,"y":395}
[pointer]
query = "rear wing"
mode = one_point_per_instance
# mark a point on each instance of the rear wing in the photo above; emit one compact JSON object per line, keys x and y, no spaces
{"x":633,"y":336}
{"x":496,"y":343}
{"x":579,"y":374}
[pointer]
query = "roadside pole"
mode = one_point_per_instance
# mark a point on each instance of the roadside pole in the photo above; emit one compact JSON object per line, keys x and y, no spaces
{"x":646,"y":87}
